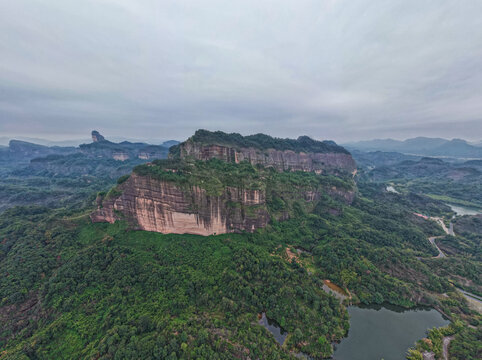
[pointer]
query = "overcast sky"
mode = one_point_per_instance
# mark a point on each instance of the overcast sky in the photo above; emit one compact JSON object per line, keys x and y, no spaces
{"x":334,"y":69}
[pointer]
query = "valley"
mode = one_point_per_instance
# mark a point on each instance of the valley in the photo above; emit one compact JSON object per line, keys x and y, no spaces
{"x":240,"y":180}
{"x":178,"y":257}
{"x":56,"y":176}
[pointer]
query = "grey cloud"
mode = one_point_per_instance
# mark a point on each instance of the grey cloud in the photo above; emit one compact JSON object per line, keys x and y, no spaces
{"x":339,"y":69}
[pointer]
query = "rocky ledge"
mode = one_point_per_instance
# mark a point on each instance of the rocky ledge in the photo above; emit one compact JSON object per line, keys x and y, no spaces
{"x":302,"y":154}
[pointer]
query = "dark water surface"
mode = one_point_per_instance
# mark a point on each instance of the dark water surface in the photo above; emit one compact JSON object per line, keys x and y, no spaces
{"x":278,"y":333}
{"x":385,"y":333}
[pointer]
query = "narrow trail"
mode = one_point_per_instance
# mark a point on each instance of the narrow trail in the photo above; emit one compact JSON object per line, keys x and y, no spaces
{"x":446,"y":343}
{"x":428,"y":355}
{"x":474,"y":301}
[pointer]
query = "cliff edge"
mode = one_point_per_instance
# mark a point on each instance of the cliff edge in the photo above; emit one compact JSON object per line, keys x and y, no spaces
{"x":207,"y":189}
{"x":302,"y":154}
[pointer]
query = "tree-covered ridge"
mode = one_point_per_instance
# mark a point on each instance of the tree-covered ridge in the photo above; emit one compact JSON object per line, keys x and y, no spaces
{"x":72,"y":289}
{"x":97,"y":290}
{"x":263,"y":142}
{"x":145,"y":295}
{"x":452,"y":182}
{"x":66,"y":176}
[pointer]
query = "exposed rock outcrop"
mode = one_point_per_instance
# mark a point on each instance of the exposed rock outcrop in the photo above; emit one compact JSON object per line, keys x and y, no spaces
{"x":102,"y":148}
{"x":97,"y":137}
{"x":162,"y":206}
{"x":294,"y":155}
{"x":195,"y":193}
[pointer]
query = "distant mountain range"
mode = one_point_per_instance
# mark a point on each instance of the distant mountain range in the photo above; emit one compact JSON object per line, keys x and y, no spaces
{"x":52,"y":176}
{"x":20,"y":150}
{"x":423,"y":146}
{"x":5,"y":140}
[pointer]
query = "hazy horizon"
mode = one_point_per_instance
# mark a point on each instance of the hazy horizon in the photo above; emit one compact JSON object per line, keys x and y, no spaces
{"x":88,"y":139}
{"x":338,"y":69}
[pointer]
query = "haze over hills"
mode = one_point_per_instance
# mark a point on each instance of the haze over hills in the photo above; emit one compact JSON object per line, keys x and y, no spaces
{"x":58,"y":175}
{"x":21,"y":150}
{"x":5,"y":140}
{"x":423,"y":146}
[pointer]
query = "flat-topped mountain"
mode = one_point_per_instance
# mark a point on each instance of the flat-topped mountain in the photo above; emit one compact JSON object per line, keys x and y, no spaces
{"x":210,"y":189}
{"x":303,"y":154}
{"x":23,"y":150}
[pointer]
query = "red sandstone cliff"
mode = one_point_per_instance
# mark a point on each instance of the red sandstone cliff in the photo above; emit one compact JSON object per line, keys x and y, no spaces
{"x":160,"y":206}
{"x":158,"y":197}
{"x":330,"y":162}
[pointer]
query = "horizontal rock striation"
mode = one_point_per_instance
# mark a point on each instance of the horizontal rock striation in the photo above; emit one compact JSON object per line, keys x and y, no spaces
{"x":329,"y":162}
{"x":194,"y":193}
{"x":162,"y":206}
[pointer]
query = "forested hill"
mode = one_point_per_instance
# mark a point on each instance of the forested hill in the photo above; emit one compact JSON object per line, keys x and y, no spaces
{"x":73,"y":289}
{"x":263,"y":141}
{"x":77,"y":289}
{"x":56,"y":176}
{"x":303,"y":154}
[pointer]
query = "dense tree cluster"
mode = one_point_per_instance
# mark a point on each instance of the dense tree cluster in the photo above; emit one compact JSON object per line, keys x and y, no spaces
{"x":262,"y":141}
{"x":70,"y":288}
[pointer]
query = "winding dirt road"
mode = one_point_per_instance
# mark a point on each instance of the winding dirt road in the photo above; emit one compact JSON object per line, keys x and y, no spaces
{"x":448,"y":231}
{"x":432,"y":241}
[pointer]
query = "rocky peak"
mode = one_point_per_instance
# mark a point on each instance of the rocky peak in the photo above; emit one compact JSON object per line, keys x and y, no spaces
{"x":97,"y":137}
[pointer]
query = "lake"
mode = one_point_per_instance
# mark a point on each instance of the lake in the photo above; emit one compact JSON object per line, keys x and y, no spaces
{"x":278,"y":333}
{"x":385,"y":332}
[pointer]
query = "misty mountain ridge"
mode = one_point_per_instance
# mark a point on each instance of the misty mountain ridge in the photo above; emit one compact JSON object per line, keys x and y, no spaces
{"x":424,"y":146}
{"x":26,"y":150}
{"x":5,"y":140}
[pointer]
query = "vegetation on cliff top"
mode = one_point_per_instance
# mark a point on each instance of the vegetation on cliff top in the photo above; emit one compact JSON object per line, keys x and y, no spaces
{"x":216,"y":175}
{"x":262,"y":142}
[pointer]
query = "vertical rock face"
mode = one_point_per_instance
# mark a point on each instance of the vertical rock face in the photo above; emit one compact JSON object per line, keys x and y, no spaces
{"x":120,"y":156}
{"x":152,"y":152}
{"x":97,"y":137}
{"x":161,"y":206}
{"x":213,"y":197}
{"x":326,"y":162}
